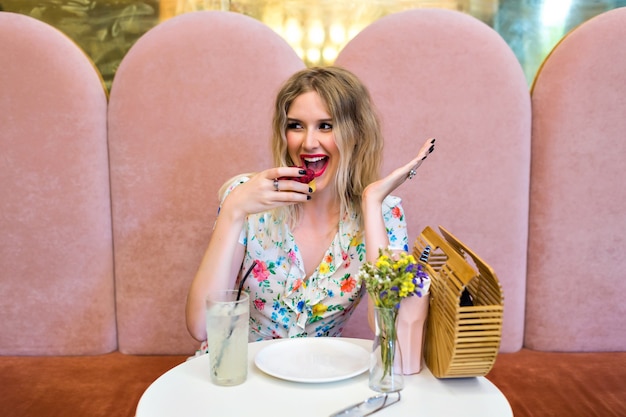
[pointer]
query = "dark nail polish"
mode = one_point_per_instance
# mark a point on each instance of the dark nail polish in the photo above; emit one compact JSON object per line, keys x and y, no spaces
{"x":432,"y":148}
{"x":302,"y":172}
{"x":308,"y":197}
{"x":310,"y":189}
{"x":432,"y":141}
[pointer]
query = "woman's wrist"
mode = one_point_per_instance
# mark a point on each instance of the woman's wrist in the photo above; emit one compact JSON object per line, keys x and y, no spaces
{"x":231,"y":211}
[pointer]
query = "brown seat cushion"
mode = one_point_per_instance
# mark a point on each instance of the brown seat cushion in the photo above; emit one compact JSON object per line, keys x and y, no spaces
{"x":562,"y":384}
{"x":61,"y":386}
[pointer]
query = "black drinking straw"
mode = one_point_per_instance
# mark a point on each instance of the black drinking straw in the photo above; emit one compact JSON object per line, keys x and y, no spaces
{"x":244,"y":279}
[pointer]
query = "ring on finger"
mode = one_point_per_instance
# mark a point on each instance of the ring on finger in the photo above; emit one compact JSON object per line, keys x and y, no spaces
{"x":276,"y":184}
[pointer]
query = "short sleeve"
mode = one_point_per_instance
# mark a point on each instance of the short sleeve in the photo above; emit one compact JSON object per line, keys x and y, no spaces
{"x":395,"y":223}
{"x":234,"y":184}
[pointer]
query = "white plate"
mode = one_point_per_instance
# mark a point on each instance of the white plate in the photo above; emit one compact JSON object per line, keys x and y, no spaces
{"x":313,"y":359}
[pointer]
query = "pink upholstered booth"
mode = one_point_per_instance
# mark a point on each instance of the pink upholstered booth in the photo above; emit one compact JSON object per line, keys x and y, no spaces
{"x":190,"y":106}
{"x":56,"y":261}
{"x":576,"y":264}
{"x":444,"y":74}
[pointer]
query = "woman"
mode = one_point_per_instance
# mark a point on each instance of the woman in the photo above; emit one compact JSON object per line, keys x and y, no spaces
{"x":305,"y":245}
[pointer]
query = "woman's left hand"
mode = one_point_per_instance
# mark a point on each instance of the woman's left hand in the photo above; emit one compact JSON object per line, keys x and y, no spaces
{"x":380,"y":189}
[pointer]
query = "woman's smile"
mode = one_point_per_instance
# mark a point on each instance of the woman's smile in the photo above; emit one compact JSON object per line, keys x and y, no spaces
{"x":317,"y":163}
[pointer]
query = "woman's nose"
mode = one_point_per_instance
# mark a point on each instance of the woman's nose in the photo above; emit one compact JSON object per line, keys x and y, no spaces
{"x":310,"y":139}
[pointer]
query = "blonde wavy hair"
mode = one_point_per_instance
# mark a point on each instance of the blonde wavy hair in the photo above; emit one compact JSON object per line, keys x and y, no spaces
{"x":355,"y":125}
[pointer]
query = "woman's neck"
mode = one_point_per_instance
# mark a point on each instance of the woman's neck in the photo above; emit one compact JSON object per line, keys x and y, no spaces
{"x":322,"y":209}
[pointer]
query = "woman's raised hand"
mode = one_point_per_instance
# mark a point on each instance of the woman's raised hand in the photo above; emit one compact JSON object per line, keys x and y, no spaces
{"x":265,"y":191}
{"x":380,"y":189}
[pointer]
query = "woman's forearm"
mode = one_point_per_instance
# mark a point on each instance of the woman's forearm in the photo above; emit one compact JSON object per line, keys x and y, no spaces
{"x":375,"y":231}
{"x":375,"y":238}
{"x":218,"y":269}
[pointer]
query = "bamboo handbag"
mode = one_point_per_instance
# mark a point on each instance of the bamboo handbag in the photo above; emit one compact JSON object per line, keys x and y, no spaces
{"x":464,"y":325}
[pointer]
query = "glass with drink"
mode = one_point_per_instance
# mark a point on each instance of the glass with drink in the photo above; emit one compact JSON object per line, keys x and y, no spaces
{"x":227,"y":316}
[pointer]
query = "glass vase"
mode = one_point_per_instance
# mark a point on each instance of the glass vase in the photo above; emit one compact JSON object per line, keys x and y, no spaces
{"x":386,"y":358}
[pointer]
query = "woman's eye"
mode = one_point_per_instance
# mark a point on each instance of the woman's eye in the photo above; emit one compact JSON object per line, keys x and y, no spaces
{"x":293,"y":125}
{"x":326,"y":126}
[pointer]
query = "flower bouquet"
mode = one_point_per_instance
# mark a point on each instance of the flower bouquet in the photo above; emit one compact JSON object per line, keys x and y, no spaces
{"x":390,"y":279}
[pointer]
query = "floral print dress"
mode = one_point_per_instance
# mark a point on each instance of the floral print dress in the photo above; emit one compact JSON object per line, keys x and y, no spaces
{"x":287,"y":303}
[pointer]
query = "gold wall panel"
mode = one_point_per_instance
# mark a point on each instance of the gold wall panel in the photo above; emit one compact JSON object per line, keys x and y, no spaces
{"x":104,"y":29}
{"x":316,"y":29}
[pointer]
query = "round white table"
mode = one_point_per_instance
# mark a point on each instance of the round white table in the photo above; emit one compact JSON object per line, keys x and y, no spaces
{"x":187,"y":390}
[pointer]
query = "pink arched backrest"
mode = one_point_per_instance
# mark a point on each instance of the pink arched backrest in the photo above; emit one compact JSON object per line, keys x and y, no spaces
{"x":56,"y":260}
{"x":190,"y":106}
{"x":444,"y":74}
{"x":576,"y":263}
